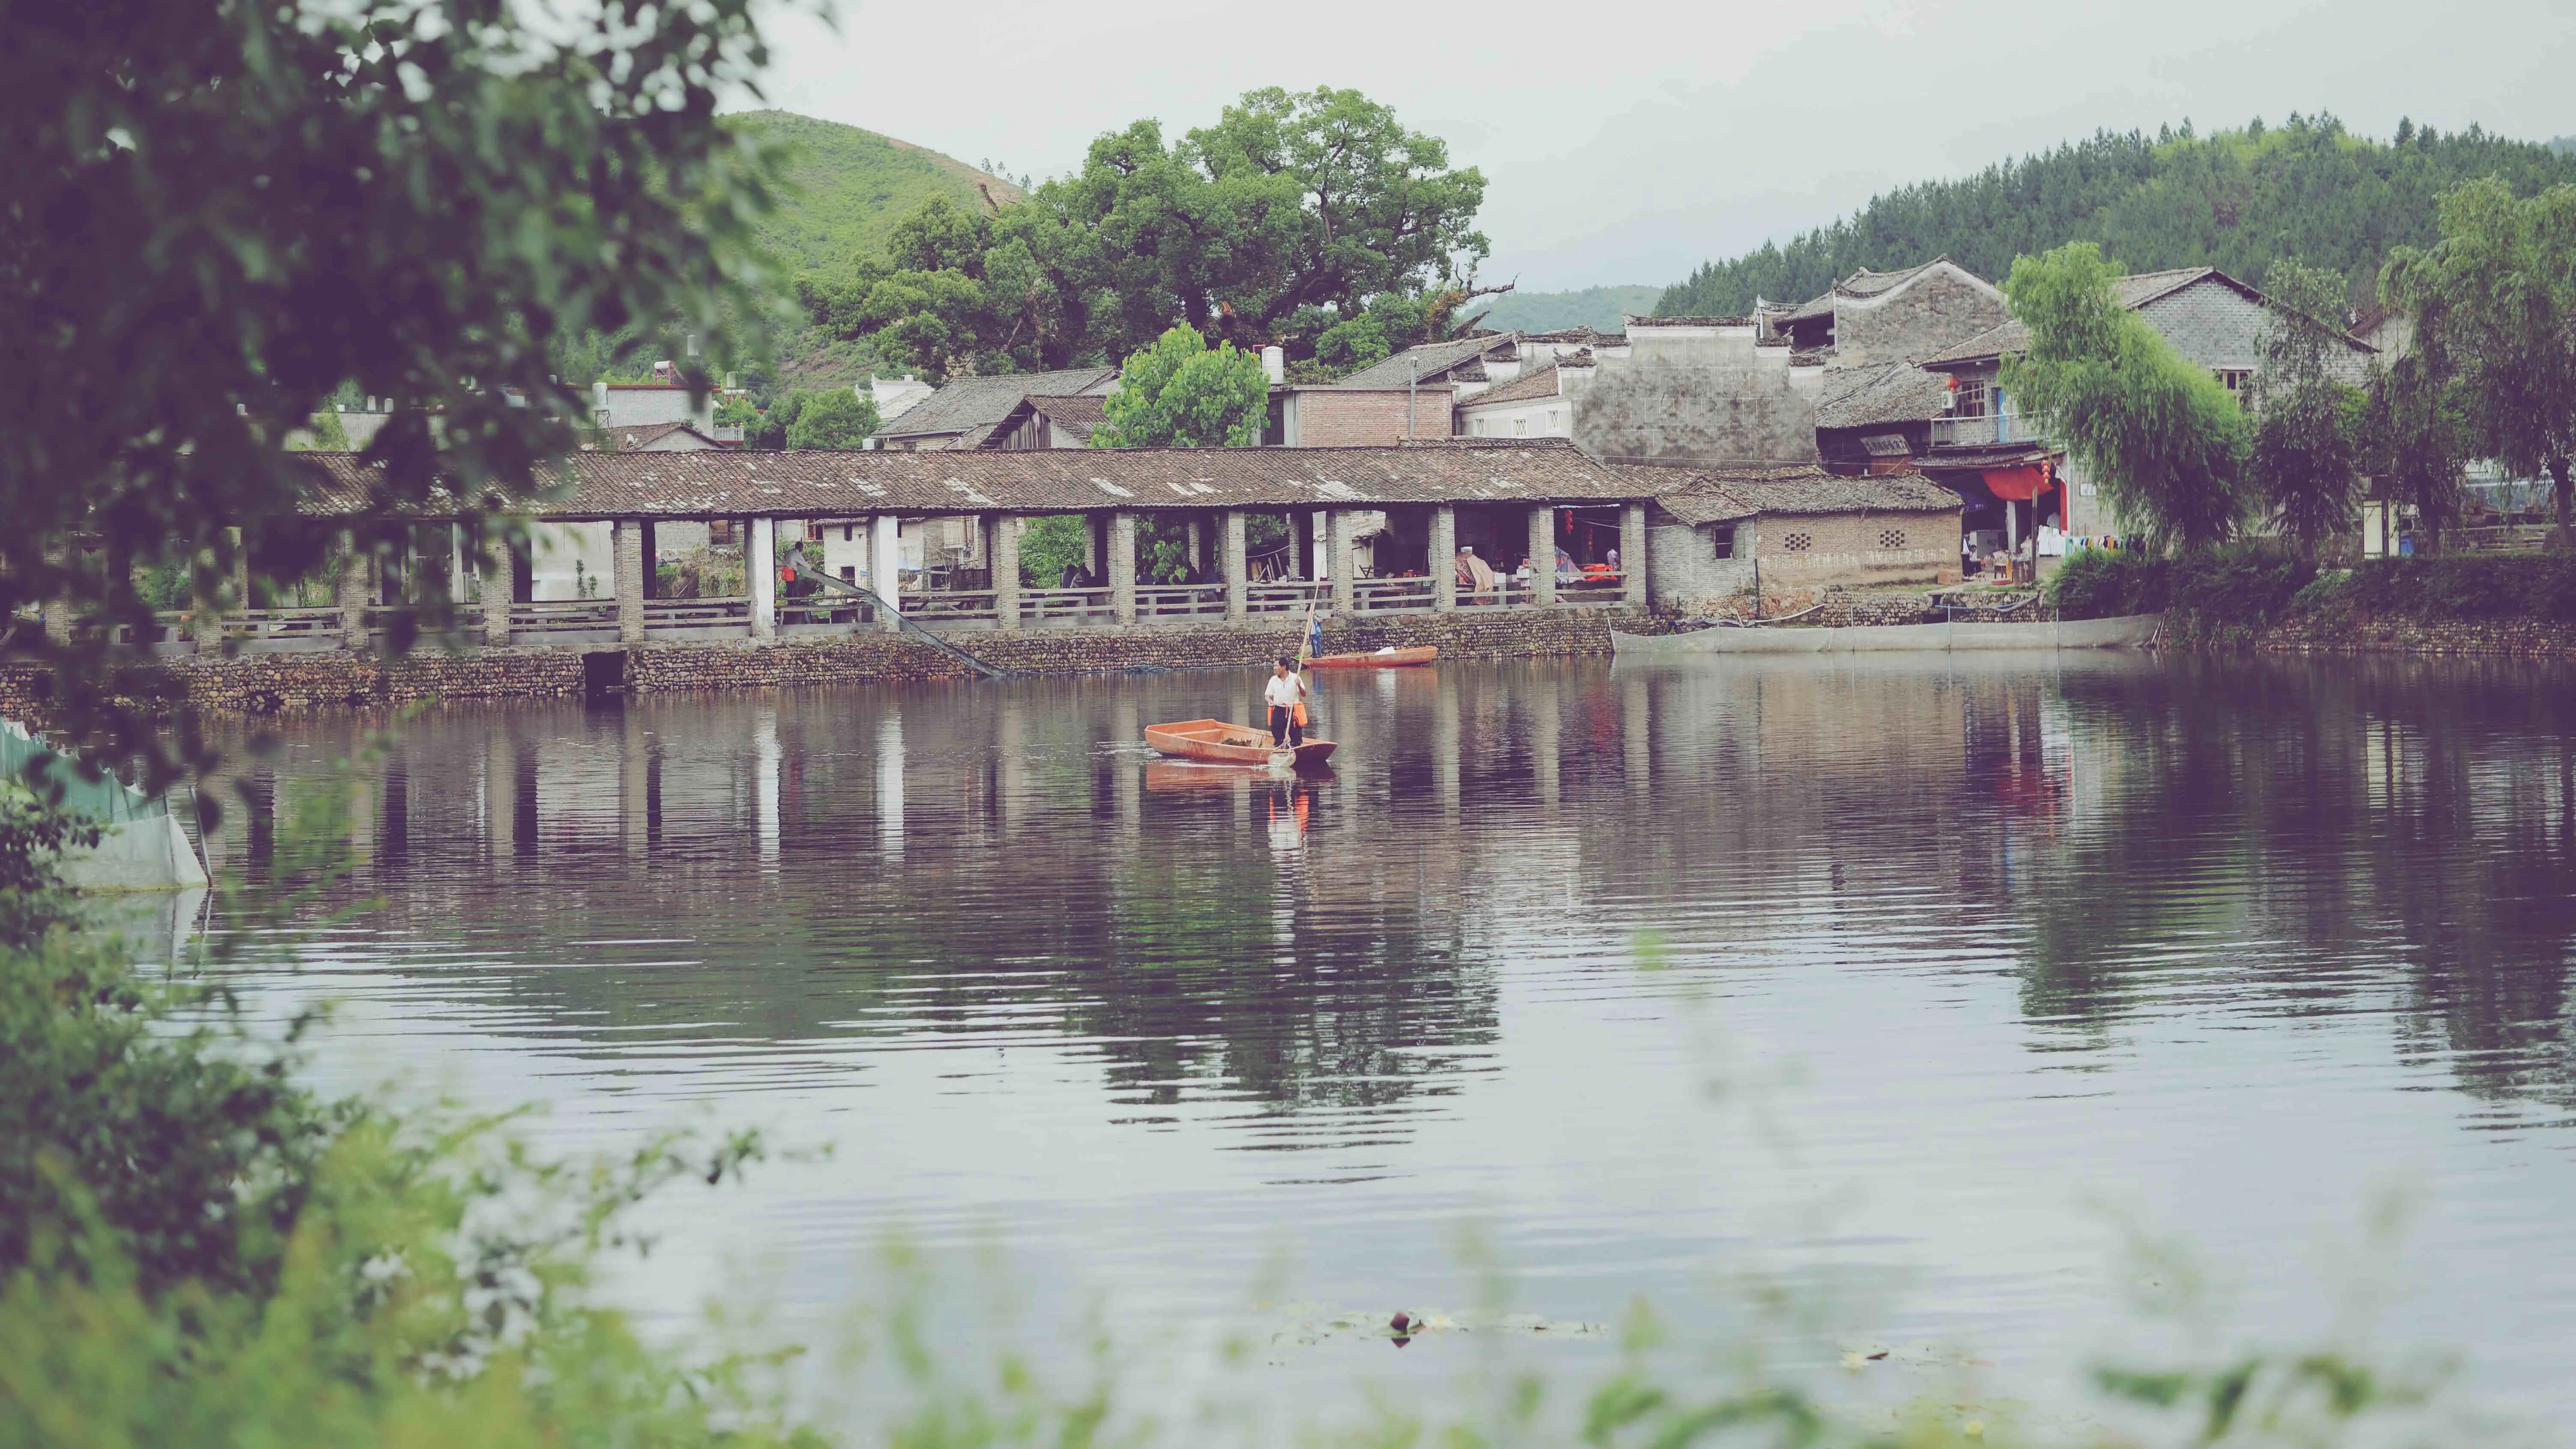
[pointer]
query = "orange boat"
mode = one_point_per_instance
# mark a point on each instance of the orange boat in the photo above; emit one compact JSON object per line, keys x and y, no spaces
{"x":1381,"y":659}
{"x":1215,"y":742}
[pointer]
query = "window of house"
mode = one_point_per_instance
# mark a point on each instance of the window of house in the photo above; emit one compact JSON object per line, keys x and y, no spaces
{"x":1520,"y":427}
{"x":1797,"y":542}
{"x":1891,"y":538}
{"x":2240,"y":381}
{"x":849,"y":573}
{"x":849,"y":531}
{"x":1974,"y":398}
{"x":720,"y":531}
{"x":1723,"y":536}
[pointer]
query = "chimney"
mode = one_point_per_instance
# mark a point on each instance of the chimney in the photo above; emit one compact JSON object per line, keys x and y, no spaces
{"x":599,"y":397}
{"x":1274,"y":361}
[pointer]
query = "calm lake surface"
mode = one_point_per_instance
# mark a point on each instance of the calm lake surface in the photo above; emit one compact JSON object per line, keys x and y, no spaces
{"x":1603,"y":982}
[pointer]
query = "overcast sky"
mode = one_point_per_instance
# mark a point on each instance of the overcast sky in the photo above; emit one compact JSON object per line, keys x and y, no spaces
{"x":1626,"y":140}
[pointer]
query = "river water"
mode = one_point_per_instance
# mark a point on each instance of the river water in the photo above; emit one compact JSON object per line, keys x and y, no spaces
{"x":1589,"y":982}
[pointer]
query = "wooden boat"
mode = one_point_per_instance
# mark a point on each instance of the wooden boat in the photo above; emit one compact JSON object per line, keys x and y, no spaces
{"x":1380,"y":659}
{"x":1216,"y":742}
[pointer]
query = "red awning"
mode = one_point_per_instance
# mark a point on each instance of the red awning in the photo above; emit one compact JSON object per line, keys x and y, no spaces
{"x":2018,"y":485}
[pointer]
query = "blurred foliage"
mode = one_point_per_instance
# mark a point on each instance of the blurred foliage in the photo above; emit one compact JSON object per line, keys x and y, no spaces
{"x":225,"y":216}
{"x":835,"y":418}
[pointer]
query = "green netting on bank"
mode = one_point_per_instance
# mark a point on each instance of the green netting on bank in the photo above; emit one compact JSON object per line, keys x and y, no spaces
{"x":105,"y":800}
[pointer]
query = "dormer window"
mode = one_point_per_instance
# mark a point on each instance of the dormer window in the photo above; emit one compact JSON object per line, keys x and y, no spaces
{"x":1975,"y":398}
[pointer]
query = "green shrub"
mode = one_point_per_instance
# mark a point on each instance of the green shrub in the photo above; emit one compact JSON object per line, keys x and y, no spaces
{"x":2101,"y":585}
{"x":2242,"y":585}
{"x":2542,"y":587}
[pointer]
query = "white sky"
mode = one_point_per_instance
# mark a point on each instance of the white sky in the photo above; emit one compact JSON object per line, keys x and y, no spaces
{"x":1627,"y":140}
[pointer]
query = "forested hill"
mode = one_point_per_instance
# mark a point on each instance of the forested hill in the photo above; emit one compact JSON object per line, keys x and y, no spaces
{"x":846,"y":188}
{"x":2234,"y":200}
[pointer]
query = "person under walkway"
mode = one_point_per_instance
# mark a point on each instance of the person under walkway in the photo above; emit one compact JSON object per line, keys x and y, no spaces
{"x":1284,"y":693}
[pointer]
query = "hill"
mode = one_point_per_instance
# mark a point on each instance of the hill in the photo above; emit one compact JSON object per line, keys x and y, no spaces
{"x":2234,"y":200}
{"x":1600,"y":308}
{"x":847,"y":187}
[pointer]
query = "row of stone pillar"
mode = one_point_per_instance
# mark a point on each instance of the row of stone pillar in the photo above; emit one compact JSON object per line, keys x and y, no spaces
{"x":1113,"y":546}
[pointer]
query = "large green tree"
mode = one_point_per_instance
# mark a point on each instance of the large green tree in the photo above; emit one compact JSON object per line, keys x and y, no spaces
{"x":221,"y":213}
{"x":1286,"y":217}
{"x":2498,"y":293}
{"x":2162,"y":437}
{"x":834,"y":418}
{"x":2306,"y":460}
{"x":1181,"y":393}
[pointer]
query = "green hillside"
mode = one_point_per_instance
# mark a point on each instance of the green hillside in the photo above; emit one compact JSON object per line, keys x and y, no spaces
{"x":2234,"y":200}
{"x":1600,"y":308}
{"x":847,"y":187}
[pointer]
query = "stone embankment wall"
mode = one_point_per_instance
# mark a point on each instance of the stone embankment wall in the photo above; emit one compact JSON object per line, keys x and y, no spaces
{"x":1845,"y":608}
{"x":2524,"y":638}
{"x":303,"y":683}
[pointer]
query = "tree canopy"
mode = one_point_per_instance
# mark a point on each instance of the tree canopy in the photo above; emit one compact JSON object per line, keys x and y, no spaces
{"x":2498,"y":293}
{"x":2237,"y":200}
{"x":219,"y":215}
{"x":2306,"y":458}
{"x":834,"y":418}
{"x":1276,"y":223}
{"x":1181,"y":393}
{"x":2164,"y":439}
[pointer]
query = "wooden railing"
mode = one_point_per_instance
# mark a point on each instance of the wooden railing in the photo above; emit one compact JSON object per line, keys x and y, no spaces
{"x":1284,"y":598}
{"x":562,"y":616}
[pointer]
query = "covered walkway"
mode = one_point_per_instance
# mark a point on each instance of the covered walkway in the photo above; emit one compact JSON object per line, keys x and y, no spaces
{"x":1418,"y":502}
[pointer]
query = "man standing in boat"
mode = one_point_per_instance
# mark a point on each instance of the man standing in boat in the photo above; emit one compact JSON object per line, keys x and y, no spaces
{"x":1285,"y":691}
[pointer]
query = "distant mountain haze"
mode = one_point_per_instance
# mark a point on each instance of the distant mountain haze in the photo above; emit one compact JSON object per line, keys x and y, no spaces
{"x":2235,"y":200}
{"x":1603,"y":309}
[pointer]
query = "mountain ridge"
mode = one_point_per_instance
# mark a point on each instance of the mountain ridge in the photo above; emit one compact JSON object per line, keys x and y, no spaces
{"x":2234,"y":199}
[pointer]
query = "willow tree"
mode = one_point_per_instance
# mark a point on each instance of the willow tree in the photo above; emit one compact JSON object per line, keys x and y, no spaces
{"x":2161,"y":437}
{"x":2308,"y":421}
{"x":220,"y":214}
{"x":2500,"y":291}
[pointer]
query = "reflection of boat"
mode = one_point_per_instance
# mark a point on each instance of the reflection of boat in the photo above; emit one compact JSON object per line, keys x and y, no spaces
{"x":1216,"y":742}
{"x":1380,"y":659}
{"x":1181,"y":777}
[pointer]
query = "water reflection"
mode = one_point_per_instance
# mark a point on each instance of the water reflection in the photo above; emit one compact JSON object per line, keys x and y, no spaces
{"x":1022,"y":963}
{"x":867,"y":863}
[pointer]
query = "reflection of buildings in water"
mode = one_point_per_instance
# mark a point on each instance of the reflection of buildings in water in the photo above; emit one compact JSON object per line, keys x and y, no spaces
{"x":765,"y":760}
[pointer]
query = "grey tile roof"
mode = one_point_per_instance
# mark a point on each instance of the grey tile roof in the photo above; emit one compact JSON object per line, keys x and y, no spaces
{"x":740,"y":483}
{"x":1542,"y":383}
{"x":1077,"y":416}
{"x":1432,"y":361}
{"x":1725,"y":495}
{"x":2133,"y":292}
{"x":646,"y":434}
{"x":1636,"y":322}
{"x":1874,"y":394}
{"x":971,"y":406}
{"x":1862,"y":283}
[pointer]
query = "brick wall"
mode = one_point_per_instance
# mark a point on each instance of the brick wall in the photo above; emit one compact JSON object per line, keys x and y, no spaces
{"x":1853,"y":548}
{"x":1362,"y":417}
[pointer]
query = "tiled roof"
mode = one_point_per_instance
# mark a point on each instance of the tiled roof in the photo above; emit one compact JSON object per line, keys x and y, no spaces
{"x":1882,"y":392}
{"x":1528,"y":385}
{"x":1429,"y":362}
{"x":644,"y":435}
{"x":740,"y":483}
{"x":1986,"y":346}
{"x":1724,"y":495}
{"x":1074,"y":415}
{"x":2133,"y":292}
{"x":972,"y":406}
{"x":1582,"y":336}
{"x":1861,"y":284}
{"x":1636,"y":322}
